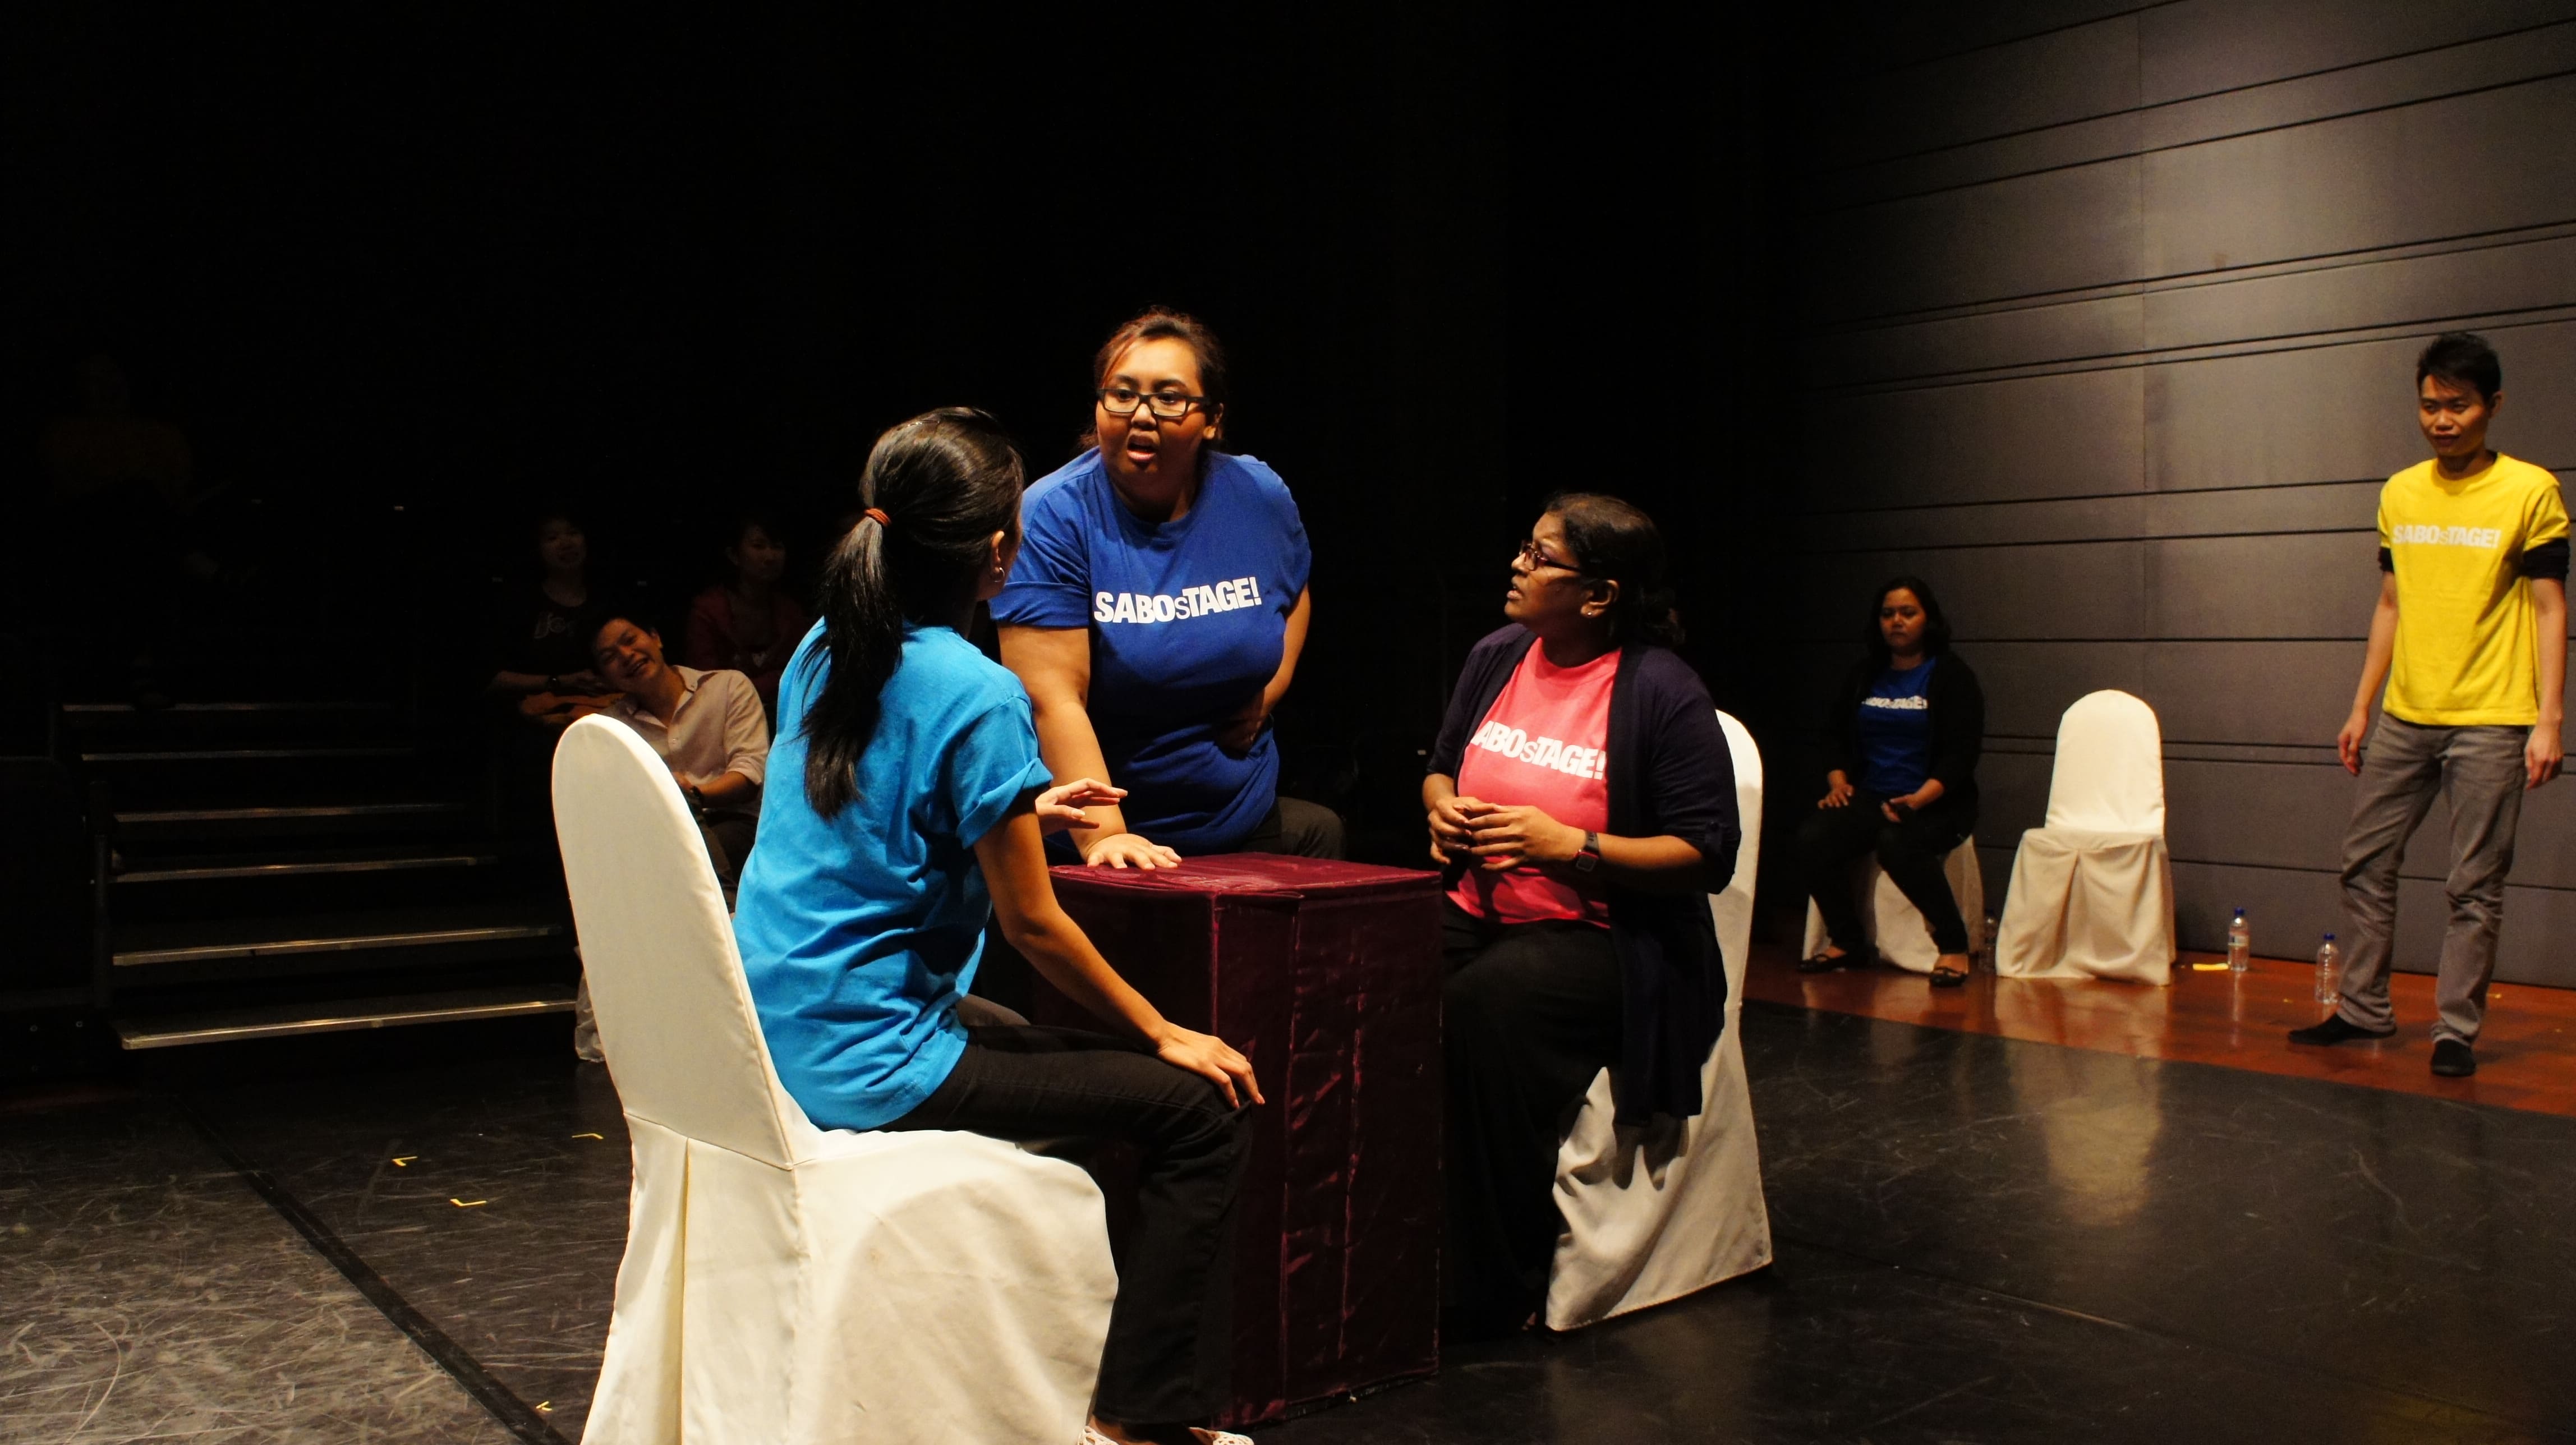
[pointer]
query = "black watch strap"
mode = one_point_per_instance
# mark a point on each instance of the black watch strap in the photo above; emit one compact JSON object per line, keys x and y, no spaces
{"x":1590,"y":857}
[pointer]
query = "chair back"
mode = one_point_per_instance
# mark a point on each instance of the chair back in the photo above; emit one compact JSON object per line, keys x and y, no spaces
{"x":2110,"y":773}
{"x":675,"y":1017}
{"x":1733,"y":905}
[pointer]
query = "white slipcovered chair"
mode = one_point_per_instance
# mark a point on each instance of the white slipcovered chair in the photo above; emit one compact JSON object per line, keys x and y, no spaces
{"x":1897,"y":931}
{"x":784,"y":1283}
{"x":2092,"y":890}
{"x":1653,"y":1213}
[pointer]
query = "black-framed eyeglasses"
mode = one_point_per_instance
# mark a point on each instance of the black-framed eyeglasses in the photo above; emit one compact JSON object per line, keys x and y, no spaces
{"x":1537,"y":559}
{"x":1168,"y":405}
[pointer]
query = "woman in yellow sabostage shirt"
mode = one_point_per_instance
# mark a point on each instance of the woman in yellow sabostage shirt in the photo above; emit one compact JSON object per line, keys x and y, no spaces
{"x":2471,"y":637}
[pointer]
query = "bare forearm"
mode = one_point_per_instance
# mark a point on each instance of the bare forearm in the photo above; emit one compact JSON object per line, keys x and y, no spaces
{"x":2549,"y":609}
{"x":1291,"y":648}
{"x":1661,"y":864}
{"x":2375,"y":658}
{"x":1072,"y":750}
{"x":1438,"y":788}
{"x":729,"y":788}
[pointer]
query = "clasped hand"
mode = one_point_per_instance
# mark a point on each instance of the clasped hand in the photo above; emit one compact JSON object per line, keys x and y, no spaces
{"x":1498,"y":836}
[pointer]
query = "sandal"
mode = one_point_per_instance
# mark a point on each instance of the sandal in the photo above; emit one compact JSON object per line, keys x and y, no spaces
{"x":1949,"y":977}
{"x":1822,"y":964}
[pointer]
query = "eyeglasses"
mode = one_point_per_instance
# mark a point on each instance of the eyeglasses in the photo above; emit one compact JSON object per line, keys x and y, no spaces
{"x":1168,"y":405}
{"x":1537,"y":559}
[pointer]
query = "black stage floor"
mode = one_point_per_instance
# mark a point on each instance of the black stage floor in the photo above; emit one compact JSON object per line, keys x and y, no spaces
{"x":1979,"y":1240}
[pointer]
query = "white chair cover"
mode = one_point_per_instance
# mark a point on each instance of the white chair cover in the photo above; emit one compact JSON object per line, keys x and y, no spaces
{"x":1896,"y":927}
{"x":783,"y":1283}
{"x":1653,"y":1213}
{"x":2092,"y":892}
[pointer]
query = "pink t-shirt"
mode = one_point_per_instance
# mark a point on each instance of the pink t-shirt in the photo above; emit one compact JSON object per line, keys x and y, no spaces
{"x":1544,"y":744}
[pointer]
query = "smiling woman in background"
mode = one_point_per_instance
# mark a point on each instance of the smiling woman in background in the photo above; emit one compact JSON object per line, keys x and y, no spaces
{"x":1903,"y":739}
{"x":1157,"y":611}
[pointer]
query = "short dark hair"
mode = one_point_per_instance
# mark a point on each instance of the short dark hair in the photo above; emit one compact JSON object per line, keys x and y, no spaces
{"x":2462,"y":358}
{"x":1936,"y":624}
{"x":614,"y":618}
{"x":1162,"y":323}
{"x":1614,"y":542}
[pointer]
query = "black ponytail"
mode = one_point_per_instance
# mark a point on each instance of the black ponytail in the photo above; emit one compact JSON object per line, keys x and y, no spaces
{"x":935,"y":491}
{"x":1614,"y":542}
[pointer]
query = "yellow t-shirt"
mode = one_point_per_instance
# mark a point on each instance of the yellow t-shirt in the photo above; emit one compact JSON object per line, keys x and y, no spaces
{"x":2465,"y":651}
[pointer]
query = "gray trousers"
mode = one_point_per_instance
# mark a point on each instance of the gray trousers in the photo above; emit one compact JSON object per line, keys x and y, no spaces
{"x":2478,"y":771}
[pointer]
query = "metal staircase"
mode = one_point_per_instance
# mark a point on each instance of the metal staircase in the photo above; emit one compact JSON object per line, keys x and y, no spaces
{"x":280,"y":866}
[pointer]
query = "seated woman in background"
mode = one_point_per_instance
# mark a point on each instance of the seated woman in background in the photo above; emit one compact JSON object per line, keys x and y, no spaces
{"x":1158,"y":610}
{"x":541,"y":636}
{"x":747,"y":623}
{"x":913,"y":810}
{"x":1581,"y":799}
{"x":1904,"y":734}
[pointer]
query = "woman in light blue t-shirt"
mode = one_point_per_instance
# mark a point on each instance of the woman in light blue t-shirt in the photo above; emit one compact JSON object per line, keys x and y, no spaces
{"x":906,"y":810}
{"x":1157,"y":613}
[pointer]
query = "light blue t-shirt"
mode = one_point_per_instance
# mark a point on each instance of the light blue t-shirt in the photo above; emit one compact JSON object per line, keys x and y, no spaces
{"x":1188,"y":619}
{"x":860,"y":933}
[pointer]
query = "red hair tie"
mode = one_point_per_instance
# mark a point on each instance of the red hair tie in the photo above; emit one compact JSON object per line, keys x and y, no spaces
{"x":882,"y":519}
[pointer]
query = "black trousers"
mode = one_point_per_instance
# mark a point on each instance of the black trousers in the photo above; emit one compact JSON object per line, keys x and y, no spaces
{"x":1531,"y":1017}
{"x":1831,"y":840}
{"x":1170,"y":1334}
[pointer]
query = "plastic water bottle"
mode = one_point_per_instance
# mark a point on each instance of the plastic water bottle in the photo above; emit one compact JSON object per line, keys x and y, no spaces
{"x":2329,"y":972}
{"x":2240,"y":944}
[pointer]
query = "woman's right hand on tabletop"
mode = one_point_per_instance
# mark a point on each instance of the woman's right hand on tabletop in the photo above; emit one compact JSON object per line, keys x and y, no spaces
{"x":1451,"y":835}
{"x":1838,"y":791}
{"x":1212,"y":1059}
{"x":1128,"y":850}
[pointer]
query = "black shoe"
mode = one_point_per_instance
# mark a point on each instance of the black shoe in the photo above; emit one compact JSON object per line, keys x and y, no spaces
{"x":1822,"y":964}
{"x":2336,"y":1030}
{"x":2452,"y":1059}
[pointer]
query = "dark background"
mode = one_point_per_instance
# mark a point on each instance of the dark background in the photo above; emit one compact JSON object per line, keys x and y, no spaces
{"x":660,"y":263}
{"x":2097,"y":312}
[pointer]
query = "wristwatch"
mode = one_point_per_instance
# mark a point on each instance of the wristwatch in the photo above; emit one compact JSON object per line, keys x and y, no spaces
{"x":1590,"y":857}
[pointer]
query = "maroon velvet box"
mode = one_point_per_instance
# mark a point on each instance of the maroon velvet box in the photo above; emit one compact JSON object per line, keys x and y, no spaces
{"x":1327,"y":976}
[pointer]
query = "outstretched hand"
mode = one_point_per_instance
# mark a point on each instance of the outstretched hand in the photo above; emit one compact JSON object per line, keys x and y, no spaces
{"x":1128,"y":850}
{"x":1060,"y":808}
{"x":1212,"y":1059}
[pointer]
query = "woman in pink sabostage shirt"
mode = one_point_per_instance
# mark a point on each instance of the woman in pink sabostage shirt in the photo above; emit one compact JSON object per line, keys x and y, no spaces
{"x":1581,"y":799}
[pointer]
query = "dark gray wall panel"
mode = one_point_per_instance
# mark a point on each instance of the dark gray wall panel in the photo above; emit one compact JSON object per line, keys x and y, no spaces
{"x":2363,"y":182}
{"x":2046,"y":80}
{"x":2339,"y":413}
{"x":2201,"y":46}
{"x":2272,"y":816}
{"x":2012,"y":791}
{"x":2071,"y":590}
{"x":2343,"y":506}
{"x":2491,"y":280}
{"x":2081,"y":434}
{"x":2400,"y":80}
{"x":2252,"y":692}
{"x":1879,"y":39}
{"x":2029,"y":685}
{"x":2058,"y":231}
{"x":2021,"y":336}
{"x":2321,"y":584}
{"x":2335,"y":507}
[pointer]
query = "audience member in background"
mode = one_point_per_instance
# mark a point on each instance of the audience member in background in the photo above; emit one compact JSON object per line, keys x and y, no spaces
{"x":1157,"y":612}
{"x":708,"y":729}
{"x":1902,"y":742}
{"x":912,"y":812}
{"x":2470,"y":635}
{"x":541,"y":637}
{"x":1581,"y":800}
{"x":747,"y":623}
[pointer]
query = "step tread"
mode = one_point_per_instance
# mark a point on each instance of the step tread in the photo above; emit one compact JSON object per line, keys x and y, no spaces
{"x":313,"y":810}
{"x":220,"y":755}
{"x":229,"y":939}
{"x":210,"y":867}
{"x":224,"y":709}
{"x":338,"y":1015}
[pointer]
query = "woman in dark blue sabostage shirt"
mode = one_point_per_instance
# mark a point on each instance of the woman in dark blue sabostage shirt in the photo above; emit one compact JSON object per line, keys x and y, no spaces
{"x":905,"y":808}
{"x":1901,"y":780}
{"x":1157,"y":611}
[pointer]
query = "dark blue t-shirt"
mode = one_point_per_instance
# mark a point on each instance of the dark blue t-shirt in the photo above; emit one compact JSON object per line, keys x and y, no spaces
{"x":1188,"y":619}
{"x":1896,"y":731}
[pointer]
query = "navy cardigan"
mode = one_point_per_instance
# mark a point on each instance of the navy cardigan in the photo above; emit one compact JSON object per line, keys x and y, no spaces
{"x":1669,"y":773}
